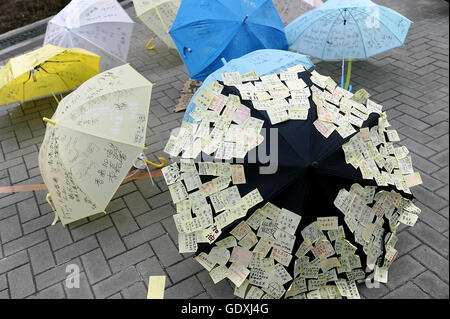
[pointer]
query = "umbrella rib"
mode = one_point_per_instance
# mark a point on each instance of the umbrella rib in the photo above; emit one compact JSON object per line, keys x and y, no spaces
{"x":99,"y":136}
{"x":94,"y":44}
{"x":312,"y":23}
{"x":360,"y":33}
{"x":382,"y":24}
{"x":328,"y":35}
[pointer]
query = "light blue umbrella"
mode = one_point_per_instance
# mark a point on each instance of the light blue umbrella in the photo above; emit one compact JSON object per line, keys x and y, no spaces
{"x":205,"y":31}
{"x":265,"y":61}
{"x":347,"y":29}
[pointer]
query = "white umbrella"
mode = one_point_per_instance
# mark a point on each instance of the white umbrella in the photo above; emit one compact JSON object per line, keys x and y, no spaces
{"x":100,"y":26}
{"x":291,"y":9}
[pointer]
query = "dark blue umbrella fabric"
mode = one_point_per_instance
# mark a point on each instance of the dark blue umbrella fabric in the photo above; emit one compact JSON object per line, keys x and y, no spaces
{"x":205,"y":31}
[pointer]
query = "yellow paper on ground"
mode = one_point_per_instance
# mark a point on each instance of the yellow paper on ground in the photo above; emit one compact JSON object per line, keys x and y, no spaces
{"x":156,"y":285}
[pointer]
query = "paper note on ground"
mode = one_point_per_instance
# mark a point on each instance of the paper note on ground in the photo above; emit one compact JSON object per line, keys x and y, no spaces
{"x":156,"y":285}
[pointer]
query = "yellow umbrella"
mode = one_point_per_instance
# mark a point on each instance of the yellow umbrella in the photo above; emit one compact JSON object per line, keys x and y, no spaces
{"x":93,"y":139}
{"x":45,"y":71}
{"x":158,"y":16}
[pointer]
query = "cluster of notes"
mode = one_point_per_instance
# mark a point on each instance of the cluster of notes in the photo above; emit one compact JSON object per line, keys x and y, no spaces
{"x":234,"y":133}
{"x":215,"y":204}
{"x":373,"y":152}
{"x":269,"y":93}
{"x":338,"y":109}
{"x":365,"y":215}
{"x":260,"y":250}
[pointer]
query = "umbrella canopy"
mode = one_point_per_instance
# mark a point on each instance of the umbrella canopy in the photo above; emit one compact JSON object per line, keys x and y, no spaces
{"x":158,"y":16}
{"x":290,"y":10}
{"x":93,"y":139}
{"x":100,"y":26}
{"x":206,"y":31}
{"x":264,"y":61}
{"x":320,"y":216}
{"x":45,"y":71}
{"x":347,"y":29}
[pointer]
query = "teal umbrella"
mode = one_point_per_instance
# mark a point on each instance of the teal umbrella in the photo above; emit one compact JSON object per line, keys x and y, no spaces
{"x":347,"y":29}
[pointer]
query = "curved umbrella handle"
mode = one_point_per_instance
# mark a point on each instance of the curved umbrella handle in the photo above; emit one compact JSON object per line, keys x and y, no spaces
{"x":163,"y":163}
{"x":148,"y":44}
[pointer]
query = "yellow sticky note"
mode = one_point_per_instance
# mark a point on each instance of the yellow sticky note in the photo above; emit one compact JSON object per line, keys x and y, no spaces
{"x":156,"y":285}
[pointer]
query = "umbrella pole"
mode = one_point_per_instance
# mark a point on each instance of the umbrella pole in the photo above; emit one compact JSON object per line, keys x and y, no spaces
{"x":349,"y":73}
{"x":342,"y":73}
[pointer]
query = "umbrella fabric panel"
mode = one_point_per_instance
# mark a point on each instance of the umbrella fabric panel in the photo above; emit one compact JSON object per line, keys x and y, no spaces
{"x":116,"y":116}
{"x":265,"y":61}
{"x":97,"y":165}
{"x":113,"y":104}
{"x":158,"y":16}
{"x":69,"y":199}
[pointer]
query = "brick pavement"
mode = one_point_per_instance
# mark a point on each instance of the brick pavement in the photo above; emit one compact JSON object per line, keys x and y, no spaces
{"x":117,"y":252}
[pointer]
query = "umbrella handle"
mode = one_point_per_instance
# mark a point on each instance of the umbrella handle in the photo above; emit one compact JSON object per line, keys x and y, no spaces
{"x":349,"y":73}
{"x":163,"y":163}
{"x":148,"y":44}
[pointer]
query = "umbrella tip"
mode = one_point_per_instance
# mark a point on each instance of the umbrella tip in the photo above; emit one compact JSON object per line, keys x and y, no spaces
{"x":45,"y":119}
{"x":245,"y":19}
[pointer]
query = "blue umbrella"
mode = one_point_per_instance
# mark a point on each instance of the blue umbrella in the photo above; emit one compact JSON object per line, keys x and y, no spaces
{"x":347,"y":29}
{"x":264,"y":62}
{"x":205,"y":31}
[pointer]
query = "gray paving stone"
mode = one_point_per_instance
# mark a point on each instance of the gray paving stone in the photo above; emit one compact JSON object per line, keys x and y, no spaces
{"x":58,"y":236}
{"x":21,"y":282}
{"x":38,"y":223}
{"x":115,"y":205}
{"x":3,"y":282}
{"x":160,"y":200}
{"x":184,"y":269}
{"x":221,"y":290}
{"x":136,"y":291}
{"x":131,"y":257}
{"x":136,"y":203}
{"x":41,"y":257}
{"x":96,"y":266}
{"x":24,"y":242}
{"x":432,"y":260}
{"x":152,"y":267}
{"x":408,"y":291}
{"x":76,"y":249}
{"x":403,"y":269}
{"x":155,"y":215}
{"x":124,"y":222}
{"x":10,"y":229}
{"x":18,"y":173}
{"x":406,"y":242}
{"x":28,"y":210}
{"x":56,"y":274}
{"x":53,"y":292}
{"x":4,"y":294}
{"x":110,"y":242}
{"x":185,"y":289}
{"x":432,"y":285}
{"x":144,"y":235}
{"x":166,"y":250}
{"x":116,"y":283}
{"x":13,"y":261}
{"x":83,"y":292}
{"x":91,"y":228}
{"x":431,"y":237}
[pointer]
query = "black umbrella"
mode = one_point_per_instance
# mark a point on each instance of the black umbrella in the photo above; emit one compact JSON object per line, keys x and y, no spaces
{"x":311,"y":170}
